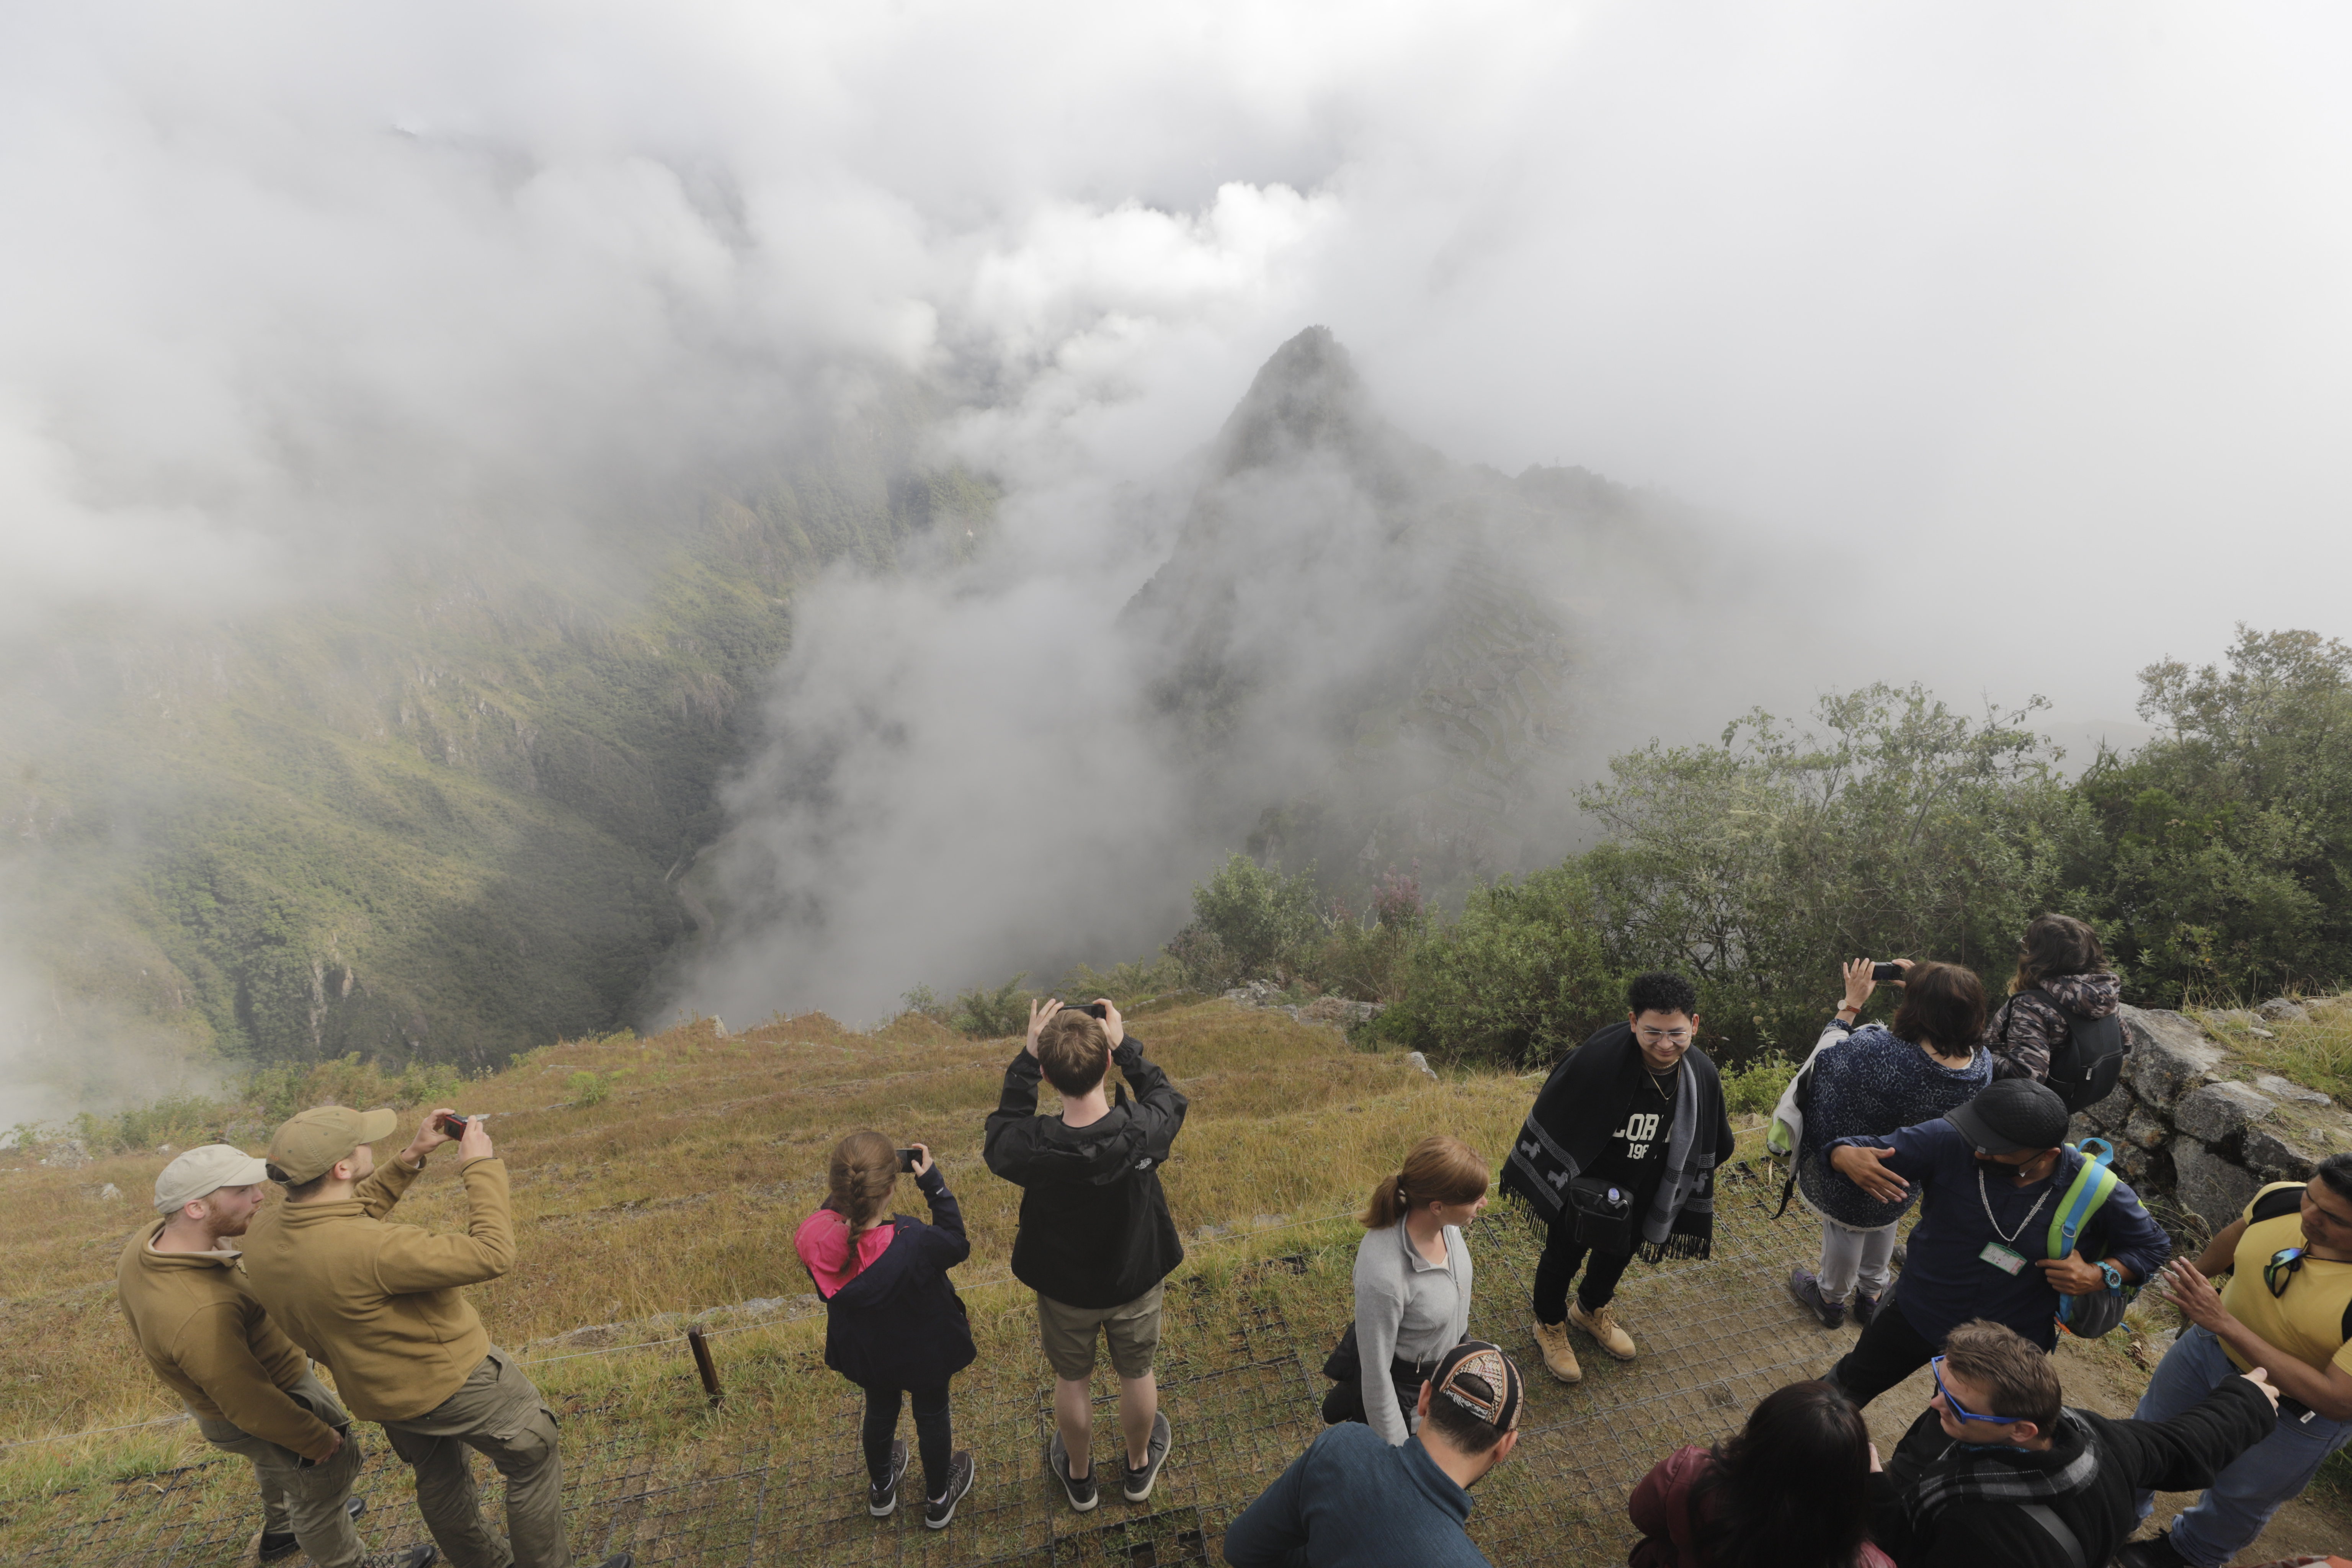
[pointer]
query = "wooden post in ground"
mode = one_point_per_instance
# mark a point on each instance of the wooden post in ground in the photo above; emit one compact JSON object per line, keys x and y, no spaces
{"x":700,"y":1345}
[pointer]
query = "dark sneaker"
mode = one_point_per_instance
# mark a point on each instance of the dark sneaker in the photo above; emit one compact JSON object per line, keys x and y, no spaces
{"x":620,"y":1559}
{"x":1864,"y":1308}
{"x":1139,"y":1481}
{"x":1083,"y":1496}
{"x":276,"y":1543}
{"x":882,"y":1497}
{"x":937,"y":1511}
{"x":1807,"y":1292}
{"x":404,"y":1557}
{"x":2156,"y":1551}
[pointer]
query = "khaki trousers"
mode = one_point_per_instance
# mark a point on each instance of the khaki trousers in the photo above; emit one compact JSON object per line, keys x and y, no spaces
{"x":499,"y":1412}
{"x":308,"y":1500}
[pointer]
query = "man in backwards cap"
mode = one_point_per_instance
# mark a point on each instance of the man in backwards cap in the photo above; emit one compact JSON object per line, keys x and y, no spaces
{"x":384,"y":1306}
{"x":1996,"y":1171}
{"x":251,"y":1390}
{"x":1351,"y":1498}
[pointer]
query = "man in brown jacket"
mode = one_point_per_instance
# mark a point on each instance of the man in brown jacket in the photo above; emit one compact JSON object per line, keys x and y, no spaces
{"x":384,"y":1306}
{"x":248,"y":1388}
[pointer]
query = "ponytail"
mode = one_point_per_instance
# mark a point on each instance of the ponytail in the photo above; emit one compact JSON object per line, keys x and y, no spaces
{"x":1439,"y":1170}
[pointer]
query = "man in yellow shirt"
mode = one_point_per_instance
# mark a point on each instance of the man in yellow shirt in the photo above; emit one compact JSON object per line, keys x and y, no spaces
{"x":2287,"y":1306}
{"x":384,"y":1305}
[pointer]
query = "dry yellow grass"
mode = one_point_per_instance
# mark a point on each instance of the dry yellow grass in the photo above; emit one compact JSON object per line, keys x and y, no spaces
{"x":678,"y":1190}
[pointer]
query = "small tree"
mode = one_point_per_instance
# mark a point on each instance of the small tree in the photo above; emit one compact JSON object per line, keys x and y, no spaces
{"x":1250,"y":922}
{"x":1522,"y":976}
{"x":993,"y":1014}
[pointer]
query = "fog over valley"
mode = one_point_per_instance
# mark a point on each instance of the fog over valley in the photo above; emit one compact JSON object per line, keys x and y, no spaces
{"x":526,"y":522}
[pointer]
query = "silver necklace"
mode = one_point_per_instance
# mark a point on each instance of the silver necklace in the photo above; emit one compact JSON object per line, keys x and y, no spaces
{"x":2011,"y":1239}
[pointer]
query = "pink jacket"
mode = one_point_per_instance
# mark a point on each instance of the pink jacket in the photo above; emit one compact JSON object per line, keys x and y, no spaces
{"x":823,"y":1242}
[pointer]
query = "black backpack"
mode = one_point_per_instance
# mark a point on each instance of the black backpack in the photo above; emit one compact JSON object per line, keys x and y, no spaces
{"x":2085,"y":1066}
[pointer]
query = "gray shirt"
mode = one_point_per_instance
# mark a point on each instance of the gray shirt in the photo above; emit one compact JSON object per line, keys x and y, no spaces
{"x":1408,"y":1308}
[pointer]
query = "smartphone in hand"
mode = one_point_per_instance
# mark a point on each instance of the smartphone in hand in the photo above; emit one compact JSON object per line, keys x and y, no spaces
{"x":907,"y":1158}
{"x":451,"y":1123}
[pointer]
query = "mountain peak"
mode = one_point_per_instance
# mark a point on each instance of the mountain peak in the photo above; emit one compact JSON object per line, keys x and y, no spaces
{"x":1306,"y":397}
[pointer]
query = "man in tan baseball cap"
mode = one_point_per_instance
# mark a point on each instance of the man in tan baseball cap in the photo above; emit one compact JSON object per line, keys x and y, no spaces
{"x":251,"y":1390}
{"x":384,"y":1305}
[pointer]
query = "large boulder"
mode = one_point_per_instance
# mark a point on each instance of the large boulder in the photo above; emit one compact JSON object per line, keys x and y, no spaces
{"x":2209,"y":1186}
{"x":2169,"y":1055}
{"x":2219,"y":1113}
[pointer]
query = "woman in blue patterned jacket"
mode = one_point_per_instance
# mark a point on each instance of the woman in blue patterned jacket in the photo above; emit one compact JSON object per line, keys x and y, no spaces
{"x":1879,"y":1077}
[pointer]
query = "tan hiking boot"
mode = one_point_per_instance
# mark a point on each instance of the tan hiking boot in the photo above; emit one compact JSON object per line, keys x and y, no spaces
{"x":1558,"y":1355}
{"x":1602,"y":1326}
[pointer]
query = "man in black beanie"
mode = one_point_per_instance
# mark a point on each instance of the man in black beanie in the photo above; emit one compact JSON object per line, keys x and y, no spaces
{"x":2000,"y":1176}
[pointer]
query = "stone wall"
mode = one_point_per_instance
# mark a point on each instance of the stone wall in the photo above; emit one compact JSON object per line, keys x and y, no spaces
{"x":2202,"y":1129}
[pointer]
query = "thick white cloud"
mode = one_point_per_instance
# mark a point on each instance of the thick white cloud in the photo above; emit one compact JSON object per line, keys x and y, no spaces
{"x":2023,"y":329}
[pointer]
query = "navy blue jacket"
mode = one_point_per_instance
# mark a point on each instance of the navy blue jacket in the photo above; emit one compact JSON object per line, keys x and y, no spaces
{"x":899,"y":1323}
{"x":1946,"y":1282}
{"x":1352,"y":1501}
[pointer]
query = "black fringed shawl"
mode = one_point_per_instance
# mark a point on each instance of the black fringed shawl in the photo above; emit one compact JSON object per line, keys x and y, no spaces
{"x":1576,"y":1113}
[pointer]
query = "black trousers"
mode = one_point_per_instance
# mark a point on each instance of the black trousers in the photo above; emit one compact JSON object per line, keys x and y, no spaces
{"x":1345,"y":1402}
{"x":934,"y":1437}
{"x":1562,"y":1255}
{"x":1889,"y":1351}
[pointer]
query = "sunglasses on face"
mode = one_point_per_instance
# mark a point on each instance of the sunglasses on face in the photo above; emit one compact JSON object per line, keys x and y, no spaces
{"x":1679,"y":1037}
{"x":2281,"y":1269}
{"x":1936,"y":1366}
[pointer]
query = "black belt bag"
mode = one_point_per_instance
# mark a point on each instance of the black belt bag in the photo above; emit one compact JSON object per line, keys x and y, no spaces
{"x":1604,"y":1214}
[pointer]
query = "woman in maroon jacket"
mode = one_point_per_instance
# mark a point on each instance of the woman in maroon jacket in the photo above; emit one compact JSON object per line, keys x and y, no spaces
{"x":894,"y":1325}
{"x":1790,"y":1490}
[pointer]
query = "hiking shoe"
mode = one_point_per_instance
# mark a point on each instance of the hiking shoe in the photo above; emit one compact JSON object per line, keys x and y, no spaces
{"x":937,"y":1511}
{"x":1083,"y":1496}
{"x":1807,"y":1292}
{"x":1155,"y":1454}
{"x":1864,"y":1308}
{"x":1601,"y":1324}
{"x":405,"y":1557}
{"x":882,"y":1497}
{"x":2156,"y":1551}
{"x":1558,"y":1355}
{"x":276,"y":1543}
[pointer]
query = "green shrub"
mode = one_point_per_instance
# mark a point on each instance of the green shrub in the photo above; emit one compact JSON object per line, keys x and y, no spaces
{"x":590,"y":1088}
{"x":1521,"y":977}
{"x":993,"y":1014}
{"x":1755,"y":1088}
{"x":1249,"y":921}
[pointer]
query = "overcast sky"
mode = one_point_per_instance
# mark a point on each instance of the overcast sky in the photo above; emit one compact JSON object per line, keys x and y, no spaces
{"x":1990,"y":306}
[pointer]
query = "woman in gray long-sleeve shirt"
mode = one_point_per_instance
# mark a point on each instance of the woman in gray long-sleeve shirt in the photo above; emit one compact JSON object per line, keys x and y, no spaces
{"x":1413,"y":1284}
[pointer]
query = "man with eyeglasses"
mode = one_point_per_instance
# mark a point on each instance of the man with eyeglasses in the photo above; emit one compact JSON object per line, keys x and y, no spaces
{"x":1996,"y":1172}
{"x":1618,"y":1156}
{"x":2287,"y":1305}
{"x":1999,"y":1469}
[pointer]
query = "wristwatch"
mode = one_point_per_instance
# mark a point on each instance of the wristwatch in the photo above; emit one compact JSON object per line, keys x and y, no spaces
{"x":2115,"y":1275}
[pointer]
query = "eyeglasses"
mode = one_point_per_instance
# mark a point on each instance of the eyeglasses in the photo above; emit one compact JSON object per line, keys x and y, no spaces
{"x":2281,"y":1269}
{"x":1652,"y":1037}
{"x":1936,"y":1366}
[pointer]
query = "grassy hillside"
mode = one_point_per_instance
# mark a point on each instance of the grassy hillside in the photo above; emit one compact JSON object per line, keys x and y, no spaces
{"x":427,"y":818}
{"x":662,"y":1177}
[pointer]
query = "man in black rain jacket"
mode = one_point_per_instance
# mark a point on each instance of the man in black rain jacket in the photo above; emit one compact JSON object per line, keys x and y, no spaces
{"x":1095,"y":1237}
{"x":1998,"y":1470}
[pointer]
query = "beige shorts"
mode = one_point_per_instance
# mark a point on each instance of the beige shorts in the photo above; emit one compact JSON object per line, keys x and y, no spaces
{"x":1132,"y":1329}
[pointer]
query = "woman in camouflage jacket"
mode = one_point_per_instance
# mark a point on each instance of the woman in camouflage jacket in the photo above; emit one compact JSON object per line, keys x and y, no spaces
{"x":2062,"y":975}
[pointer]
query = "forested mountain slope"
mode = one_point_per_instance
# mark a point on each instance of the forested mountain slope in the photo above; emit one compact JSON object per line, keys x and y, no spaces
{"x":429,"y":818}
